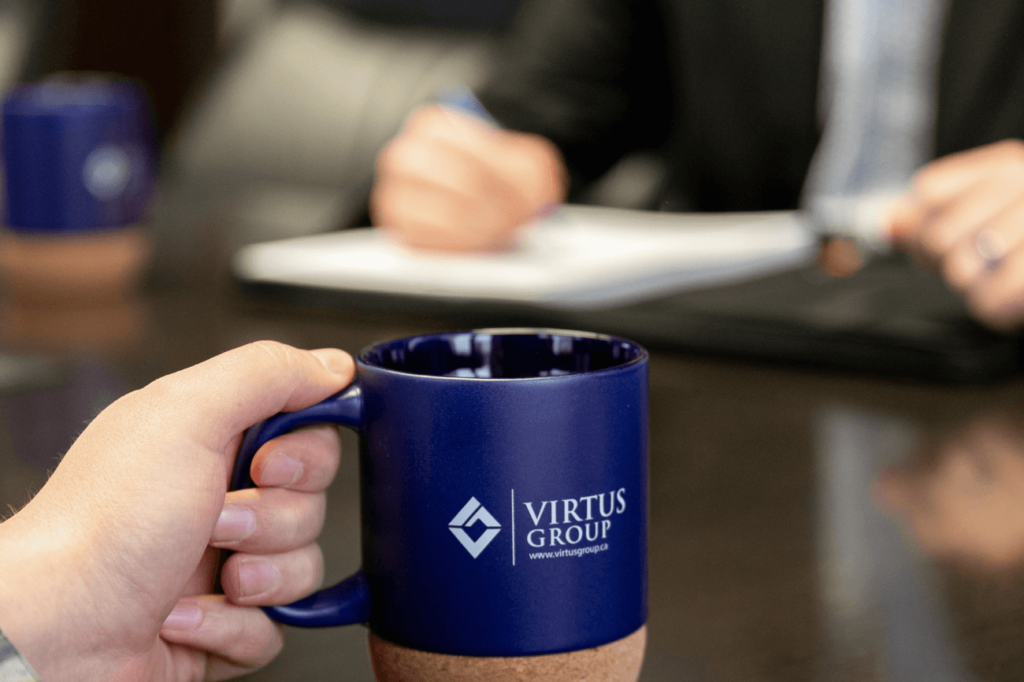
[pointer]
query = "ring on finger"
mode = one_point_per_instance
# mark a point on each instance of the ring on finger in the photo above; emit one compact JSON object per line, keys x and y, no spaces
{"x":991,"y":247}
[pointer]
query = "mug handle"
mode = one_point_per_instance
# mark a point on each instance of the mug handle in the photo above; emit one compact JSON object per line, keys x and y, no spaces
{"x":348,"y":602}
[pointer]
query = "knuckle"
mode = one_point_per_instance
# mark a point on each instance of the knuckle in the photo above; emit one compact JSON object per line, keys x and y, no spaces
{"x":160,"y":391}
{"x":275,"y":350}
{"x":266,"y":352}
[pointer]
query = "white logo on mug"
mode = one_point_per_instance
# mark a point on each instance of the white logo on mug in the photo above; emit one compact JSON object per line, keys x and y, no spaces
{"x":106,"y":172}
{"x":467,"y":518}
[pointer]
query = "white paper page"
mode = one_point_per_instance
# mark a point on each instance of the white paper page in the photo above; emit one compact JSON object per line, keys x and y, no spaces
{"x":581,"y":257}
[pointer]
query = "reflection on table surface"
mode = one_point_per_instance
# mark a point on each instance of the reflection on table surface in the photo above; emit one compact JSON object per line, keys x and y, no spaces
{"x":804,"y":525}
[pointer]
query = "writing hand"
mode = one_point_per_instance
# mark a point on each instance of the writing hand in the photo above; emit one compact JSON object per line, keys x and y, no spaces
{"x":450,"y":182}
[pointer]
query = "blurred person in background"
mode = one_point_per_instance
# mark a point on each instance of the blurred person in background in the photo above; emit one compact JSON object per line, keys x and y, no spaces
{"x":730,"y":95}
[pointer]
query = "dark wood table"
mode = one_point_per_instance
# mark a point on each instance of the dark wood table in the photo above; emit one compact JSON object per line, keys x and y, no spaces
{"x":771,"y":557}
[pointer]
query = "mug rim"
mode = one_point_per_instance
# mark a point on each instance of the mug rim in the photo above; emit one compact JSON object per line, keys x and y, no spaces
{"x":642,"y":356}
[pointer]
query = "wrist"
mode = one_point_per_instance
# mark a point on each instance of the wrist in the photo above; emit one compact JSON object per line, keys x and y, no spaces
{"x":21,"y":624}
{"x":33,"y":605}
{"x":13,"y":666}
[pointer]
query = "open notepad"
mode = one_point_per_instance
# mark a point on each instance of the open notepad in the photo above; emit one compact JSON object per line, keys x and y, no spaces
{"x":581,"y":257}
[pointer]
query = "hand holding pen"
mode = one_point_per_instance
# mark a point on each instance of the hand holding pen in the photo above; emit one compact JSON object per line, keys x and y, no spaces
{"x":453,"y":180}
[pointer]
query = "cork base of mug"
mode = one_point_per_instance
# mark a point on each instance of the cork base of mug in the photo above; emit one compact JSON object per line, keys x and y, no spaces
{"x":618,"y":661}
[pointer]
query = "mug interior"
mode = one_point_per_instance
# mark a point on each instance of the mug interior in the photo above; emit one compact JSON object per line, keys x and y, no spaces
{"x":503,"y":354}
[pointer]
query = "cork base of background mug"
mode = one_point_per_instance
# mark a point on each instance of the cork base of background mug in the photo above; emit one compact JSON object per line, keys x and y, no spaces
{"x":103,"y":265}
{"x":72,"y":291}
{"x":618,"y":661}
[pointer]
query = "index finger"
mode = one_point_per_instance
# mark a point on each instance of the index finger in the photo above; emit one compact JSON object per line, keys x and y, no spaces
{"x":213,"y":402}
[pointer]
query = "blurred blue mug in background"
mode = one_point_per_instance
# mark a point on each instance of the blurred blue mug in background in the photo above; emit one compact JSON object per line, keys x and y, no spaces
{"x":79,"y":162}
{"x":79,"y":155}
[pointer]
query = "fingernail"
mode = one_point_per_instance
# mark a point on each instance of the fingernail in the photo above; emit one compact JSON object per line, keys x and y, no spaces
{"x":184,"y":617}
{"x":335,"y":361}
{"x":256,"y":577}
{"x":235,"y":523}
{"x":280,"y":470}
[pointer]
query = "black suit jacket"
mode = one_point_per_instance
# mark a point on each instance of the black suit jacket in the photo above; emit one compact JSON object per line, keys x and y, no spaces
{"x":727,"y":90}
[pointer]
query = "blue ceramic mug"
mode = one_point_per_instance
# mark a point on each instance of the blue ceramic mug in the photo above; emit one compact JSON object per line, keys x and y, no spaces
{"x":504,"y":492}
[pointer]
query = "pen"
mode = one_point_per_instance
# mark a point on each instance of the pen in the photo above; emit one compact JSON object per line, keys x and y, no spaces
{"x":462,"y":100}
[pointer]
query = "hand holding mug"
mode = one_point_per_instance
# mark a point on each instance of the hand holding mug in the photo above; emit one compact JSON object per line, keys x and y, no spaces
{"x":108,"y":573}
